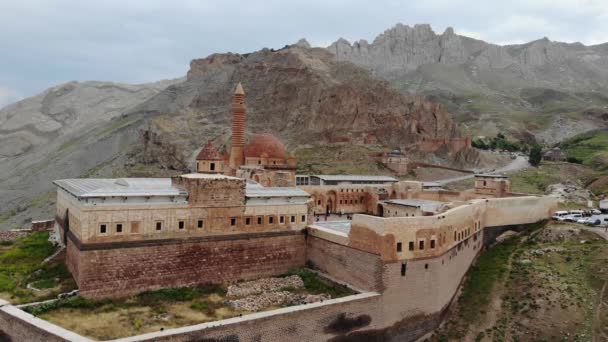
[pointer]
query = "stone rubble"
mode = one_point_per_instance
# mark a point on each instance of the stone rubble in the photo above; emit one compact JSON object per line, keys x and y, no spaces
{"x":270,"y":292}
{"x":264,"y":285}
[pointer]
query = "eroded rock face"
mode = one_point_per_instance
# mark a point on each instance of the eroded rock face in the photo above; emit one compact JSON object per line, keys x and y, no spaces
{"x":300,"y":94}
{"x":404,"y":50}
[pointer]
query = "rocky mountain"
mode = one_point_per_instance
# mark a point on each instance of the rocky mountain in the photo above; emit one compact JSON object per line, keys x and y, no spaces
{"x":97,"y":129}
{"x":543,"y":86}
{"x":63,"y":132}
{"x":297,"y":93}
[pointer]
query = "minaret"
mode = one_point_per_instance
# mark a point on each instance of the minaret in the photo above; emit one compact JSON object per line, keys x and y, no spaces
{"x":237,"y":157}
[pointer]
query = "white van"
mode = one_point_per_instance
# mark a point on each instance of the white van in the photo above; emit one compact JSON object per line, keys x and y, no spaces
{"x":576,"y":212}
{"x":558,"y":214}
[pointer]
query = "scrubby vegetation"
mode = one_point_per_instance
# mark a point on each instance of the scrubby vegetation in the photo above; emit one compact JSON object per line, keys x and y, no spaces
{"x":338,"y":159}
{"x":542,"y":286}
{"x":499,"y":142}
{"x":590,"y":149}
{"x":21,"y":264}
{"x":316,"y":285}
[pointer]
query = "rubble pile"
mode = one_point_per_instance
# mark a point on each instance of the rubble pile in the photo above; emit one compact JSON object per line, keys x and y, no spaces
{"x":264,"y":285}
{"x":270,"y":292}
{"x":570,"y":192}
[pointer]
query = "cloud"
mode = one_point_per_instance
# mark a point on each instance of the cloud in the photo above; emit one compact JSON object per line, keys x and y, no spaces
{"x":139,"y":41}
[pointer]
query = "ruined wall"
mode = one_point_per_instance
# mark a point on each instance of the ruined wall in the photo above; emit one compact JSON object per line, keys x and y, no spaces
{"x":122,"y":268}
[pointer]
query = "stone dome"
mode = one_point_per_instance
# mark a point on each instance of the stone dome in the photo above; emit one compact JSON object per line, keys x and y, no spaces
{"x":209,"y":152}
{"x":265,"y":144}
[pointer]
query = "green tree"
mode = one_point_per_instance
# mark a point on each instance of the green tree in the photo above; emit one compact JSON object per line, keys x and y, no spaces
{"x":535,"y":155}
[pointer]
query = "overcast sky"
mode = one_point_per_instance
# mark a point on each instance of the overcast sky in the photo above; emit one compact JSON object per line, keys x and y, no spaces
{"x":47,"y":42}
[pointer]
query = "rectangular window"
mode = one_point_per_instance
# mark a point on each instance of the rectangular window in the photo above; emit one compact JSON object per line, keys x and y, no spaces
{"x":398,"y":246}
{"x":403,"y":269}
{"x":282,"y":219}
{"x":247,"y":220}
{"x":260,"y":219}
{"x":212,"y":167}
{"x":159,"y":225}
{"x":411,"y":245}
{"x":421,"y":244}
{"x":319,"y":202}
{"x":303,"y":218}
{"x":103,"y":228}
{"x":233,"y":221}
{"x":432,"y":243}
{"x":119,"y":227}
{"x":200,"y":224}
{"x":134,"y":227}
{"x":293,"y":219}
{"x":270,"y":219}
{"x":181,"y":224}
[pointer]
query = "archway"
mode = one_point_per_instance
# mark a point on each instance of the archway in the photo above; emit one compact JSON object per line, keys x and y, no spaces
{"x":380,"y":210}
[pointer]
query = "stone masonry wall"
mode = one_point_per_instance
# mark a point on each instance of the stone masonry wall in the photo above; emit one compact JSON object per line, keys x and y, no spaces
{"x":120,"y":269}
{"x":361,"y":269}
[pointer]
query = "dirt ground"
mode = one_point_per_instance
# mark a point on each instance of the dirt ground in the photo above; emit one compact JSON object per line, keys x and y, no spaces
{"x":554,"y":289}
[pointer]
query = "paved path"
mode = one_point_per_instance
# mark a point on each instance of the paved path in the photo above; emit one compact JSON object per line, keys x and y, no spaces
{"x":519,"y":163}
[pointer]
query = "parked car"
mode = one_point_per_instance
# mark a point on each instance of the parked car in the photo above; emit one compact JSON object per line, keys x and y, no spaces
{"x":573,"y":217}
{"x":596,"y":212}
{"x":583,"y":220}
{"x":558,"y":214}
{"x":593,"y":222}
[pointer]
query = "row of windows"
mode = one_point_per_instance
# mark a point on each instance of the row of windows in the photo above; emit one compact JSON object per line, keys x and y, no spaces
{"x":351,"y":190}
{"x":135,"y":226}
{"x":458,"y":236}
{"x":159,"y":225}
{"x":452,"y":254}
{"x":412,"y":245}
{"x":351,"y":201}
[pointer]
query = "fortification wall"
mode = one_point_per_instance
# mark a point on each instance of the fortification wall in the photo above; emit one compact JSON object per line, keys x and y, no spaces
{"x":361,"y":269}
{"x":431,"y":236}
{"x":117,"y":269}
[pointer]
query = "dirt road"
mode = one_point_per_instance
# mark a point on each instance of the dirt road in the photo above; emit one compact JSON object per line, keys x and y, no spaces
{"x":519,"y":163}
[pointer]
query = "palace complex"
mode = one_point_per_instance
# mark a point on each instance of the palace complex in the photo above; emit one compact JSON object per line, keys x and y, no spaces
{"x":405,"y":247}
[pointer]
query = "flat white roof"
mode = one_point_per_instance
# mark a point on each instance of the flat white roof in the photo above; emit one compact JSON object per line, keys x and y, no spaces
{"x":207,"y":176}
{"x":256,"y":190}
{"x":108,"y":187}
{"x":351,"y":178}
{"x":426,"y":205}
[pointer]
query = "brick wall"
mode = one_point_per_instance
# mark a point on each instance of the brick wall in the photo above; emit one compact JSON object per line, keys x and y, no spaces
{"x":117,"y":269}
{"x":361,"y":269}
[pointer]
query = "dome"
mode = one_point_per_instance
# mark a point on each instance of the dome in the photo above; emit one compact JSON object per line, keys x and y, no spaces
{"x":265,"y":144}
{"x":209,"y":152}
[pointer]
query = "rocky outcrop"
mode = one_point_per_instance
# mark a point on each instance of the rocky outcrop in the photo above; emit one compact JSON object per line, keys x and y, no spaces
{"x":403,"y":50}
{"x":300,"y":94}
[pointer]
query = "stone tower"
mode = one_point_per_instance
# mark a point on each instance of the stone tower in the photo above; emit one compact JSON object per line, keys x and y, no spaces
{"x":237,"y":157}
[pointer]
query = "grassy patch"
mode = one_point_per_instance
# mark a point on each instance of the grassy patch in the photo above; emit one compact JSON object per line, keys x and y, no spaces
{"x":20,"y":264}
{"x":489,"y":269}
{"x":338,"y":159}
{"x":591,"y":148}
{"x":316,"y":285}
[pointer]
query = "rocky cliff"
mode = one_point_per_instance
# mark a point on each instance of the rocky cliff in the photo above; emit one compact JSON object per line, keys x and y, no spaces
{"x":298,"y":93}
{"x":490,"y":87}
